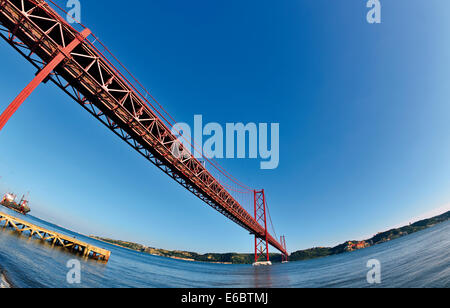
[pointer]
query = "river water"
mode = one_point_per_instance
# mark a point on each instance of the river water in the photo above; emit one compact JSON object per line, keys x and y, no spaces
{"x":421,"y":259}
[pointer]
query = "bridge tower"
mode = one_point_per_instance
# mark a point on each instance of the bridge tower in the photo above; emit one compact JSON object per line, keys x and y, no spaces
{"x":284,"y":257}
{"x":261,"y":244}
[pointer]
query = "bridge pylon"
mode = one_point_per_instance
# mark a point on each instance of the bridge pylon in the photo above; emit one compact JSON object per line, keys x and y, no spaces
{"x":284,"y":257}
{"x":261,"y":244}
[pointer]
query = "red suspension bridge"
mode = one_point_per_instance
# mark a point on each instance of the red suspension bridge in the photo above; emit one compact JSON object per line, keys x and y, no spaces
{"x":74,"y":59}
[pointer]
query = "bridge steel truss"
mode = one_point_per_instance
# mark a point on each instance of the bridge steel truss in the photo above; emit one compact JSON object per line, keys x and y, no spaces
{"x":39,"y":34}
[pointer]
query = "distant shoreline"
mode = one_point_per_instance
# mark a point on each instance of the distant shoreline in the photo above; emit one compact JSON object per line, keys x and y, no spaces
{"x":300,"y":255}
{"x":125,"y":245}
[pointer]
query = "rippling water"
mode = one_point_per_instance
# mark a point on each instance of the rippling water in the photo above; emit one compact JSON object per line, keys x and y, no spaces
{"x":418,"y":260}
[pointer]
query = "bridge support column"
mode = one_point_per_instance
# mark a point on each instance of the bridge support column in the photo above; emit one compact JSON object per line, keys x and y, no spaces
{"x":284,"y":257}
{"x":261,"y":244}
{"x":41,"y":76}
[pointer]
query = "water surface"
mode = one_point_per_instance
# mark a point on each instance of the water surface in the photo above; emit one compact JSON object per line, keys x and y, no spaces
{"x":421,"y":259}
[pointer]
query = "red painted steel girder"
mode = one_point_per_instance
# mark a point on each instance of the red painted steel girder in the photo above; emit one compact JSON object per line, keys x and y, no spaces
{"x":40,"y":77}
{"x":38,"y":33}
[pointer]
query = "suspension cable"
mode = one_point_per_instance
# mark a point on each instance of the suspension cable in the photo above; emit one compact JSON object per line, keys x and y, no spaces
{"x":270,"y":219}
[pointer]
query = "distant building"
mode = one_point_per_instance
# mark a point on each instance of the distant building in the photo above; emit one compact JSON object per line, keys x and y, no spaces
{"x":351,"y":246}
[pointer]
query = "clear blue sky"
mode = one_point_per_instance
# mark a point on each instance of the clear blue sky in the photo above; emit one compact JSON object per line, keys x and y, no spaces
{"x":363,"y":109}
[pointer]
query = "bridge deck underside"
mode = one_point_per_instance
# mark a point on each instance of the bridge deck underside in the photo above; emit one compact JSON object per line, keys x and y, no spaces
{"x":34,"y":29}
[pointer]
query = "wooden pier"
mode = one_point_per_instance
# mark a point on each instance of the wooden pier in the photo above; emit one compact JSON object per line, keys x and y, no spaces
{"x":55,"y":238}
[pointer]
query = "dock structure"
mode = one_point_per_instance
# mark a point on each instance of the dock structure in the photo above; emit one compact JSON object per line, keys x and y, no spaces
{"x":55,"y":238}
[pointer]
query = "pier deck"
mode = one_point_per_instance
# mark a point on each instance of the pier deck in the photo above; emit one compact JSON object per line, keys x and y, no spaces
{"x":55,"y":238}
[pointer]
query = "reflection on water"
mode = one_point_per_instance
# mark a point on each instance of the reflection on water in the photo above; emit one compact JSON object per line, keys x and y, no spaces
{"x":417,"y":260}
